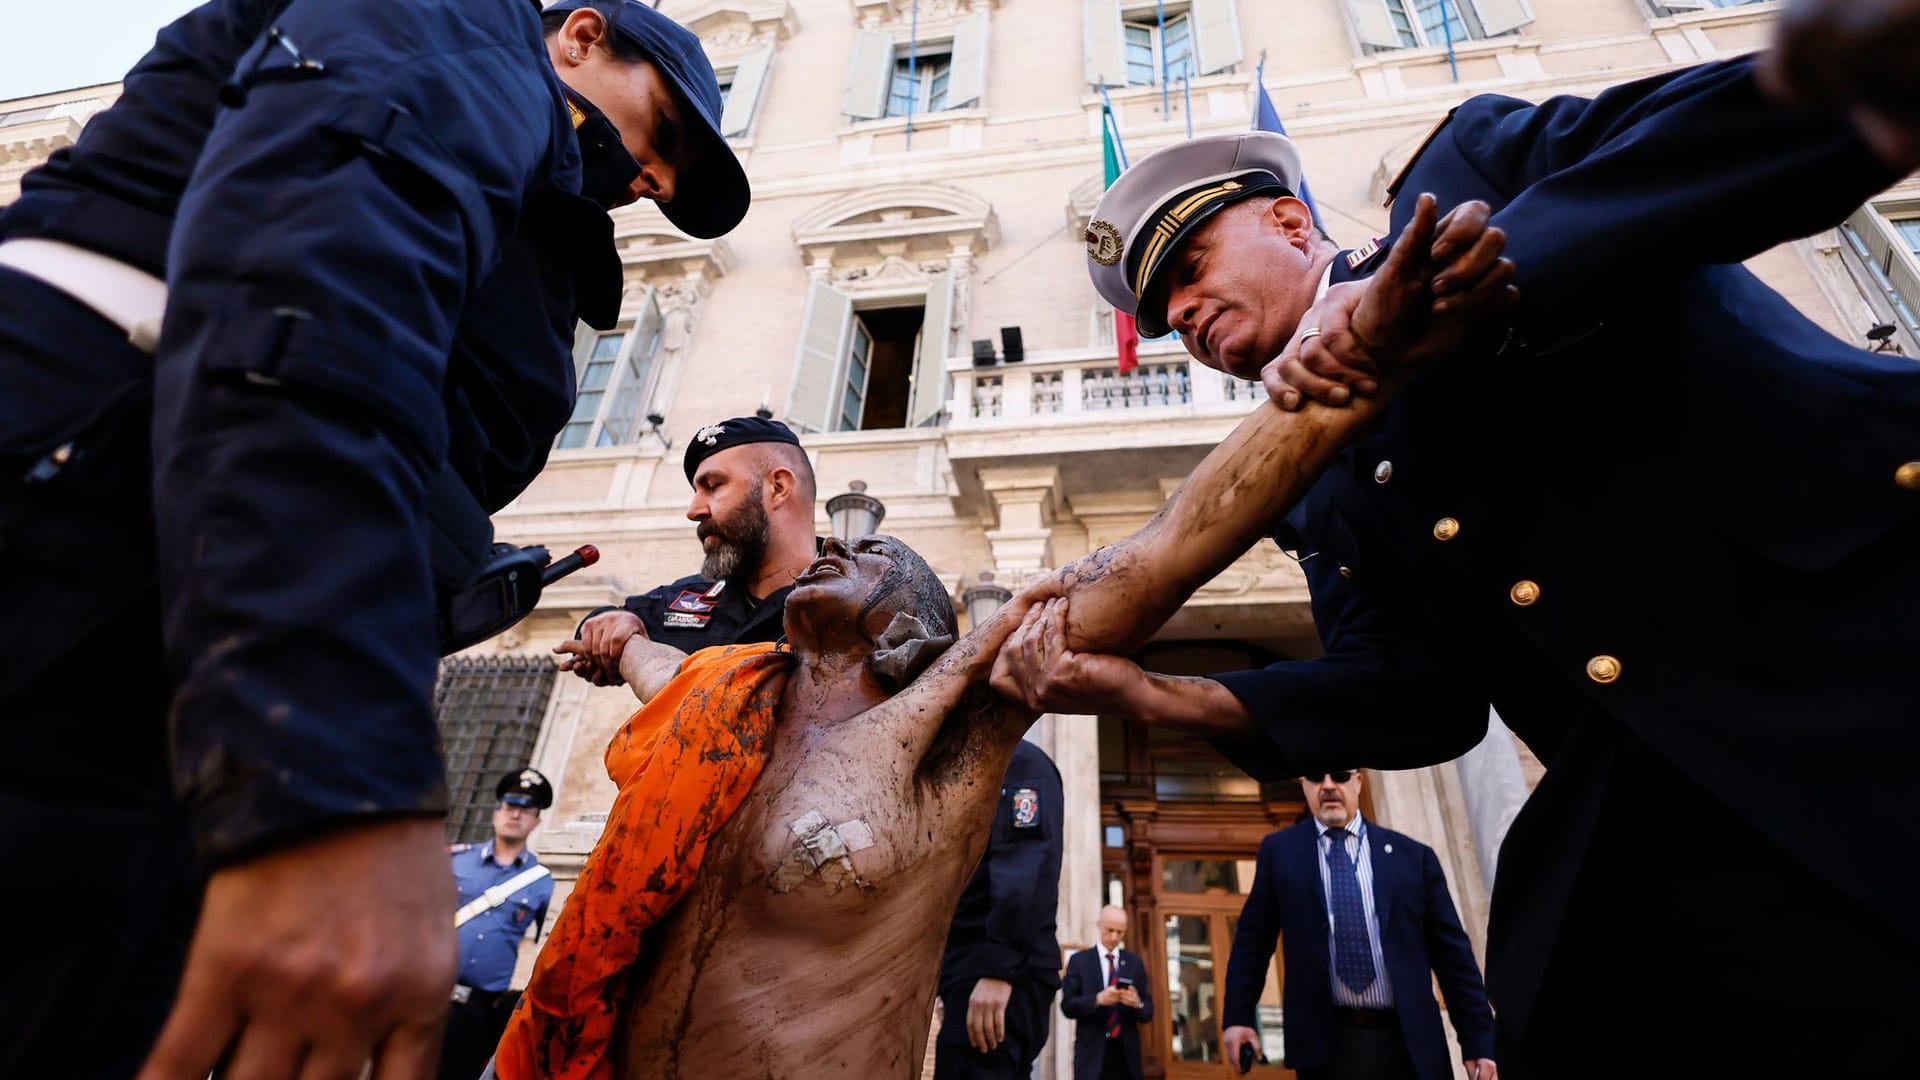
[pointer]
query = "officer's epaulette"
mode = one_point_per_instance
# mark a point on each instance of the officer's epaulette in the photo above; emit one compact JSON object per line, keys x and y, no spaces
{"x":459,"y":849}
{"x":1393,"y":189}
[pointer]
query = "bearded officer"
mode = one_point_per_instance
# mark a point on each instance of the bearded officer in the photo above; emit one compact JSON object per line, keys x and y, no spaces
{"x":753,"y":500}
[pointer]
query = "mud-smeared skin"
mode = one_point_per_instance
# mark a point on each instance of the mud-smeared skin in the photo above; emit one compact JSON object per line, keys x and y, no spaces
{"x":749,"y":981}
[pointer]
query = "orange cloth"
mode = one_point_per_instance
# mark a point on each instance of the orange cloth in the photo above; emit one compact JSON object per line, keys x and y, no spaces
{"x":684,"y":764}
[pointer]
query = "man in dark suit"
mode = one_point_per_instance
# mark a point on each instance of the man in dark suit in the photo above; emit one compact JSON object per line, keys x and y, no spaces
{"x":1660,"y":520}
{"x":1357,"y":1000}
{"x":1106,"y":992}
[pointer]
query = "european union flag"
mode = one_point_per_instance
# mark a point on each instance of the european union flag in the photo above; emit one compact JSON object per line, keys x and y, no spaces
{"x":1267,"y":118}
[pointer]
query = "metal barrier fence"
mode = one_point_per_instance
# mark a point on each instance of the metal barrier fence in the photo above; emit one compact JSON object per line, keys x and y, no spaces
{"x":489,"y":710}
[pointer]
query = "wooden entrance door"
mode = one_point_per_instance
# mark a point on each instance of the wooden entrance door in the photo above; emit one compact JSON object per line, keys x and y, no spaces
{"x":1195,"y":932}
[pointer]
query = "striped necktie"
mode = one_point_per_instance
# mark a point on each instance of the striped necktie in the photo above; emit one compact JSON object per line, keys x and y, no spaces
{"x":1352,"y":951}
{"x":1113,"y":979}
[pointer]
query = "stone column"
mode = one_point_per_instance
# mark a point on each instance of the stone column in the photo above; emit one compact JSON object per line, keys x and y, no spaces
{"x":1074,"y":744}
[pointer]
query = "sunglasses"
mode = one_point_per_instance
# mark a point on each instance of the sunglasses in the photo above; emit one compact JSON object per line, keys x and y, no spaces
{"x":1340,"y":776}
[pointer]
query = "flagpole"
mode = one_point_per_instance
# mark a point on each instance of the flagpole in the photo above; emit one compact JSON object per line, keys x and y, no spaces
{"x":1160,"y":11}
{"x":913,"y":58}
{"x":1112,"y":124}
{"x":1186,"y":90}
{"x":1446,"y":24}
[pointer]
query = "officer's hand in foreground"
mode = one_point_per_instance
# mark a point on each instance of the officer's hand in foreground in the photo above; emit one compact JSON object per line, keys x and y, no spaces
{"x":1441,"y":282}
{"x":317,"y":959}
{"x":1234,"y":1038}
{"x":606,"y":635}
{"x":1036,"y":668}
{"x":987,"y":1014}
{"x":577,"y":657}
{"x":1482,"y":1069}
{"x":1854,"y":54}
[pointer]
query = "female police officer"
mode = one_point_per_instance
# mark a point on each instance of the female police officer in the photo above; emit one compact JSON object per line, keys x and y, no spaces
{"x":317,"y":269}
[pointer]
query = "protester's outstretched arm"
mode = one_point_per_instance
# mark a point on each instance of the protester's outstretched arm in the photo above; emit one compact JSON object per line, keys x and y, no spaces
{"x":1122,"y":593}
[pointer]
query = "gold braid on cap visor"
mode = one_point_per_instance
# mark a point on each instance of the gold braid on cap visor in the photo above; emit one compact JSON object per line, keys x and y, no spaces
{"x":1169,"y":223}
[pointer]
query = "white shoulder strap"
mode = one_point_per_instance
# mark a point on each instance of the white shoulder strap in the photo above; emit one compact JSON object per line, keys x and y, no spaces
{"x":497,"y":895}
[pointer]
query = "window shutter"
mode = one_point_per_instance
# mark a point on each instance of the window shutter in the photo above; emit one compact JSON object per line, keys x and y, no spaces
{"x":1216,"y":35}
{"x":816,"y":367}
{"x":1500,"y":16}
{"x":929,"y":393}
{"x":868,"y":75}
{"x":747,"y":80}
{"x":1105,"y":52}
{"x":968,"y":83}
{"x":1373,"y":24}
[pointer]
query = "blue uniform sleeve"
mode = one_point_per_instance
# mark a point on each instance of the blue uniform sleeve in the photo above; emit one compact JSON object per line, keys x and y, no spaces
{"x":1077,"y":991}
{"x":1378,"y":697}
{"x":334,"y":227}
{"x":1023,"y":869}
{"x":1691,"y":167}
{"x":1451,"y":955}
{"x":1254,"y":939}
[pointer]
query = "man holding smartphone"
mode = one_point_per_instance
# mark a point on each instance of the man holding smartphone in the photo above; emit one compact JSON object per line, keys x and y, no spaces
{"x":1106,"y":990}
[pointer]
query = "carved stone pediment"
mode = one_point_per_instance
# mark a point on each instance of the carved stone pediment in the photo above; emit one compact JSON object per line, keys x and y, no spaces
{"x":908,"y":222}
{"x":722,"y":25}
{"x":653,"y":253}
{"x":932,"y":13}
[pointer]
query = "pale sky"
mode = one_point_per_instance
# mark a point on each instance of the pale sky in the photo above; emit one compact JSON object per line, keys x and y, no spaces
{"x":47,"y":45}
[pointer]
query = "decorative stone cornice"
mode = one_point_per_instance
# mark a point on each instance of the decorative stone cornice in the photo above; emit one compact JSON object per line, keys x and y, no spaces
{"x":31,"y":143}
{"x":878,"y":13}
{"x":906,"y":221}
{"x":729,"y":24}
{"x":653,"y":253}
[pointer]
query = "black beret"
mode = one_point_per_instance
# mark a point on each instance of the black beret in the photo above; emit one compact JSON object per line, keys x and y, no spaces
{"x":727,"y":434}
{"x":529,"y":785}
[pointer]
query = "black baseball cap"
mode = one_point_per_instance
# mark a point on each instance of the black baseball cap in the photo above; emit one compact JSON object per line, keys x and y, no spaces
{"x":710,"y":194}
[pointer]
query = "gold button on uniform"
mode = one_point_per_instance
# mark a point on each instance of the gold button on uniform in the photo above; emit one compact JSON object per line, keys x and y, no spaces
{"x":1907,"y":476}
{"x":1603,"y":669}
{"x":1446,"y":529}
{"x":1383,"y":472}
{"x":1524,"y":592}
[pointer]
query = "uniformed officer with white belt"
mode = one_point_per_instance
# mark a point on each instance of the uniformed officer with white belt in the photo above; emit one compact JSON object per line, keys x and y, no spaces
{"x":504,"y":892}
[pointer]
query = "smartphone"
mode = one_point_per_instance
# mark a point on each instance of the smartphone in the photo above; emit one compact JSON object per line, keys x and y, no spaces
{"x":1123,"y":982}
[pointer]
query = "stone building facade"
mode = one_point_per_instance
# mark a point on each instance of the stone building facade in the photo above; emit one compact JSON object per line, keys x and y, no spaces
{"x":909,"y":289}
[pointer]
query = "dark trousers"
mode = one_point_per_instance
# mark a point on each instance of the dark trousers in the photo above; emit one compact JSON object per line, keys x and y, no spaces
{"x":1028,"y":1014}
{"x":474,"y":1028}
{"x":84,"y":781}
{"x":1113,"y":1062}
{"x":1685,"y":920}
{"x":1375,"y":1050}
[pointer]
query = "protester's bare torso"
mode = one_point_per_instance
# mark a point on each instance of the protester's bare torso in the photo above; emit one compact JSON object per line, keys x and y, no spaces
{"x":778,"y":964}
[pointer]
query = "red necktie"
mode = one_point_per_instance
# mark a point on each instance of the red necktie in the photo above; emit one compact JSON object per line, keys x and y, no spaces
{"x":1113,"y":979}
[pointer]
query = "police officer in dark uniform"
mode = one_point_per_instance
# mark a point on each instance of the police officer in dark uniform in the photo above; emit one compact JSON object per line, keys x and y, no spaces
{"x":753,"y":497}
{"x":1002,"y":962}
{"x":1661,"y":521}
{"x":504,"y":892}
{"x":311,"y":281}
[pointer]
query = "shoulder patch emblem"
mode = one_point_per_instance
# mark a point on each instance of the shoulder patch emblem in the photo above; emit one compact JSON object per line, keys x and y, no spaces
{"x":689,"y":600}
{"x":1103,"y":242}
{"x":1026,"y":808}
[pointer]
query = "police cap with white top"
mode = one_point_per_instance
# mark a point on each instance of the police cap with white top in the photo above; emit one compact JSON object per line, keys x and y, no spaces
{"x":1157,"y":203}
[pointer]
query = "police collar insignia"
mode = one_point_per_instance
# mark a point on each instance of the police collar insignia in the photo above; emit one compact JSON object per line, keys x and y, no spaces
{"x":710,"y":434}
{"x":1362,"y":254}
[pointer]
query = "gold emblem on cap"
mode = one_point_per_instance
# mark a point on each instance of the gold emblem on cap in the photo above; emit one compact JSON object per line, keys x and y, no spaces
{"x":710,"y":434}
{"x":1103,"y":242}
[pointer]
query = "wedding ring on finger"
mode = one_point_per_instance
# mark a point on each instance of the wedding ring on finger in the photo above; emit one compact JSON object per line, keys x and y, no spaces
{"x":1309,"y":333}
